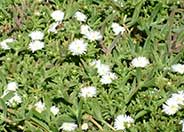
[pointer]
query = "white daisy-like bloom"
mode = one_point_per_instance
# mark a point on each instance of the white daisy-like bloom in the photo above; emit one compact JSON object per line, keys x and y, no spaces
{"x":40,"y":106}
{"x":178,"y":97}
{"x":54,"y":110}
{"x":58,"y":15}
{"x":122,"y":122}
{"x":53,"y":26}
{"x":117,"y":29}
{"x":80,"y":16}
{"x":170,"y":107}
{"x":36,"y":35}
{"x":89,"y":91}
{"x":107,"y":78}
{"x":178,"y":68}
{"x":4,"y":44}
{"x":94,"y":35}
{"x":84,"y":126}
{"x":12,"y":86}
{"x":68,"y":126}
{"x":78,"y":47}
{"x":85,"y":29}
{"x":103,"y":69}
{"x":36,"y":45}
{"x":140,"y":62}
{"x":15,"y":100}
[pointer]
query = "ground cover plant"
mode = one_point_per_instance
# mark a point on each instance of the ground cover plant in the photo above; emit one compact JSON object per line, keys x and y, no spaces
{"x":91,"y":65}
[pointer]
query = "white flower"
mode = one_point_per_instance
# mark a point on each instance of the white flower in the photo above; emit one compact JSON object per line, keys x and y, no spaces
{"x":78,"y":47}
{"x":122,"y":122}
{"x":36,"y":45}
{"x":39,"y":106}
{"x":53,"y":26}
{"x":54,"y":110}
{"x":140,"y":62}
{"x":88,"y":92}
{"x":107,"y":78}
{"x":103,"y":69}
{"x":178,"y":98}
{"x":68,"y":126}
{"x":182,"y":122}
{"x":117,"y":29}
{"x":12,"y":86}
{"x":36,"y":35}
{"x":90,"y":34}
{"x":9,"y":40}
{"x":58,"y":15}
{"x":84,"y":126}
{"x":15,"y":100}
{"x":4,"y":44}
{"x":85,"y":29}
{"x":170,"y":107}
{"x":94,"y":35}
{"x":178,"y":68}
{"x":80,"y":16}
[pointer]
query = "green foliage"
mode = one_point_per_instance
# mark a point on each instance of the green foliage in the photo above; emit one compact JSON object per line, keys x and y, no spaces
{"x":154,"y":29}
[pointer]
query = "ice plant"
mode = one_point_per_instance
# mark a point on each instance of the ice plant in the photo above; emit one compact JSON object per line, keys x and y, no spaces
{"x":36,"y":45}
{"x":4,"y":44}
{"x":54,"y":110}
{"x":12,"y":86}
{"x":78,"y":47}
{"x":117,"y":29}
{"x":53,"y":26}
{"x":58,"y":15}
{"x":179,"y":68}
{"x":40,"y":106}
{"x":80,"y":16}
{"x":68,"y":126}
{"x":89,"y":91}
{"x":174,"y":103}
{"x":84,"y":126}
{"x":107,"y":78}
{"x":85,"y":29}
{"x":94,"y":35}
{"x":140,"y":62}
{"x":36,"y":35}
{"x":122,"y":122}
{"x":104,"y":71}
{"x":90,"y":34}
{"x":15,"y":100}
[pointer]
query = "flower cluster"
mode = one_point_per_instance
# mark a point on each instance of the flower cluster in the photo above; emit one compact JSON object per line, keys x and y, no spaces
{"x":58,"y":16}
{"x":174,"y":103}
{"x":40,"y":107}
{"x":4,"y":43}
{"x":16,"y":99}
{"x":122,"y":122}
{"x":36,"y":43}
{"x":104,"y":71}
